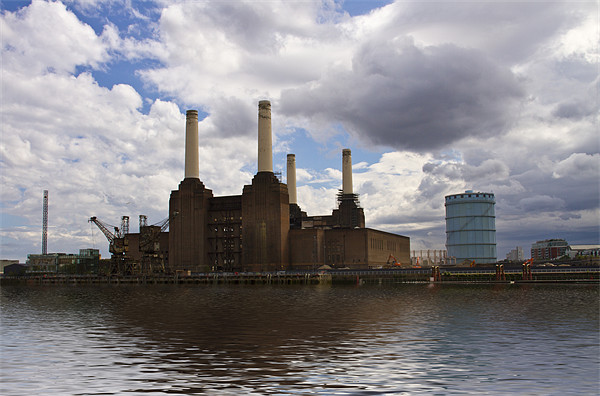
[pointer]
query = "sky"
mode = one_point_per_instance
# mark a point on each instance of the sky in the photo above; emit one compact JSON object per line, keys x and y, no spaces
{"x":432,"y":97}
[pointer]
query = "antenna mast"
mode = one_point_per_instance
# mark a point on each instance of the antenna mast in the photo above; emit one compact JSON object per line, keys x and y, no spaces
{"x":45,"y":225}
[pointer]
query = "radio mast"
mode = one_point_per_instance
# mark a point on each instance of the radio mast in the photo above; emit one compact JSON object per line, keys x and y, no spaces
{"x":45,"y":225}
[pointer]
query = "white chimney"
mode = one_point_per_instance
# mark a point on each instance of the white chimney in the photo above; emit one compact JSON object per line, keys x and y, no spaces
{"x":291,"y":178}
{"x":346,"y":171}
{"x":265,"y":153}
{"x":191,"y":145}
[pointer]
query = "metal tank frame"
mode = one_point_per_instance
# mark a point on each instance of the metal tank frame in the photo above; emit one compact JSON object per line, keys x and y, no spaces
{"x":471,"y":227}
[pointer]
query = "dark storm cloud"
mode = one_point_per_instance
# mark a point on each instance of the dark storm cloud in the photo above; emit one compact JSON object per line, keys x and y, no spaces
{"x":431,"y":188}
{"x":541,"y":203}
{"x":234,"y":117}
{"x":575,"y":109}
{"x":567,"y":194}
{"x":412,"y":98}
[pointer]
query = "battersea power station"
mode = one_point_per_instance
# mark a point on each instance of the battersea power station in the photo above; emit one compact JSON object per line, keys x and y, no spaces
{"x":264,"y":228}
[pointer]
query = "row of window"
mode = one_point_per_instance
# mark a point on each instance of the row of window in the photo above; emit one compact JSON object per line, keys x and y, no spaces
{"x":379,"y":244}
{"x":548,"y":252}
{"x":472,"y":195}
{"x":226,"y":229}
{"x":225,"y":218}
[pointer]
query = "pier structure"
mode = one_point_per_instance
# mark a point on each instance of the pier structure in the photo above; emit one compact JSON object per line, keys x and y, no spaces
{"x":436,"y":274}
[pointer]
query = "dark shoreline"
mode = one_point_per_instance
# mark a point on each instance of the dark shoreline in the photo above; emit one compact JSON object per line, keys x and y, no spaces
{"x":424,"y":275}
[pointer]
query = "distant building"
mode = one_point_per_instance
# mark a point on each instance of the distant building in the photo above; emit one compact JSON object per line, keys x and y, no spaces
{"x":430,"y":257}
{"x":549,"y":249}
{"x":471,"y":227}
{"x":583,"y":250}
{"x":6,"y":263}
{"x":15,"y":269}
{"x":516,"y":254}
{"x":85,"y":262}
{"x":47,"y":263}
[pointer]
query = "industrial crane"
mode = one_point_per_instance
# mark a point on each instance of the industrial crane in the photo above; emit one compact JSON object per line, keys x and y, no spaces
{"x":118,"y":245}
{"x":116,"y":240}
{"x":150,"y":234}
{"x":149,"y":244}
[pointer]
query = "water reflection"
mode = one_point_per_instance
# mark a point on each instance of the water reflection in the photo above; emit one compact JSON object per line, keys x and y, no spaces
{"x":300,"y":339}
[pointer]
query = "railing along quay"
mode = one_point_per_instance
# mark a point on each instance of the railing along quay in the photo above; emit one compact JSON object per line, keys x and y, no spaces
{"x":280,"y":277}
{"x":469,"y":275}
{"x":377,"y":276}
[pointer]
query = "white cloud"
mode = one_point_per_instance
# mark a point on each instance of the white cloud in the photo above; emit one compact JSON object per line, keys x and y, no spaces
{"x":578,"y":166}
{"x":45,"y":37}
{"x":247,"y":49}
{"x":483,"y":96}
{"x":303,"y":175}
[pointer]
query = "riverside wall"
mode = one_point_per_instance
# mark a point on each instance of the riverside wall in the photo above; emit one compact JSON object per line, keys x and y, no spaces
{"x":357,"y":277}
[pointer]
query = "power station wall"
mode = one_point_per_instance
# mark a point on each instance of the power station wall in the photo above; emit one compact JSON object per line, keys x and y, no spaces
{"x":306,"y":248}
{"x":471,"y":227}
{"x":188,"y":207}
{"x":225,"y":233}
{"x":357,"y":248}
{"x":265,"y":224}
{"x":318,"y":221}
{"x":364,"y":248}
{"x":382,"y":245}
{"x":251,"y":232}
{"x":346,"y":247}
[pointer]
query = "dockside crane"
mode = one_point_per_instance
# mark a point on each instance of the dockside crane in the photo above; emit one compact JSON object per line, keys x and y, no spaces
{"x":115,"y":240}
{"x":149,"y":235}
{"x":118,"y":245}
{"x":152,"y":260}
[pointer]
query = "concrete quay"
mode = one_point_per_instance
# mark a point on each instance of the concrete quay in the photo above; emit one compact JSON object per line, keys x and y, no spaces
{"x":358,"y":277}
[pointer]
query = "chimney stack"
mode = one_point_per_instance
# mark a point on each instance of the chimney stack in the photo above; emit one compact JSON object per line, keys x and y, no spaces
{"x":346,"y":171}
{"x":291,"y":177}
{"x":191,"y":145}
{"x":265,"y":154}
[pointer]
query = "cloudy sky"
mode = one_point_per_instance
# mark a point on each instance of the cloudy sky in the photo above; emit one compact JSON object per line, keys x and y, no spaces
{"x":431,"y":97}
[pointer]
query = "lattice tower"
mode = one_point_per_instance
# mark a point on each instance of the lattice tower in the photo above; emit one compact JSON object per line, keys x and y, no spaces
{"x":45,"y":224}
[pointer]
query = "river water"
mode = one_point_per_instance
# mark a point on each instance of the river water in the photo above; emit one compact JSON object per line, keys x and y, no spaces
{"x":330,"y":340}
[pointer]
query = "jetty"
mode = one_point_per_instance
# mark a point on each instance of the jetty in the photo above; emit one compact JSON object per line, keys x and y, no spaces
{"x":333,"y":276}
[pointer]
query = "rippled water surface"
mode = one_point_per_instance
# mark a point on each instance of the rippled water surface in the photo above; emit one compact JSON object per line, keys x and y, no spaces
{"x":402,"y":339}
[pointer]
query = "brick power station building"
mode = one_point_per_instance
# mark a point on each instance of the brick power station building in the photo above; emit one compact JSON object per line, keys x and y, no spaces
{"x":264,"y":229}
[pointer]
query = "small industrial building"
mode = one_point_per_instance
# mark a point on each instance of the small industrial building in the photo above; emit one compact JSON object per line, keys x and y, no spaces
{"x":583,"y":251}
{"x":6,"y":263}
{"x":85,"y":262}
{"x":15,"y":269}
{"x":264,"y":228}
